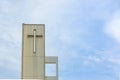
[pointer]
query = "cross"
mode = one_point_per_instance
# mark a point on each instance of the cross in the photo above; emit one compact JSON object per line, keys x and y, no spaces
{"x":34,"y":39}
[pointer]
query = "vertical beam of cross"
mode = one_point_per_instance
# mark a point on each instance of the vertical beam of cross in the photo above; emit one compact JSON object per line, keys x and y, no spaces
{"x":34,"y":41}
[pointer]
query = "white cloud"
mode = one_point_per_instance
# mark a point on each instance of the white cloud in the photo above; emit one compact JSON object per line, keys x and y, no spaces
{"x":112,"y":27}
{"x":39,"y":11}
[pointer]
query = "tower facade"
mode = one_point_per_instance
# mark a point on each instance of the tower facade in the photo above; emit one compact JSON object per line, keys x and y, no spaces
{"x":33,"y":53}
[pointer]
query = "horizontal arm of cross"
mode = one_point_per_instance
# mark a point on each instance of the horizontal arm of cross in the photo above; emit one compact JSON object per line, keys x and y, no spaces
{"x":36,"y":35}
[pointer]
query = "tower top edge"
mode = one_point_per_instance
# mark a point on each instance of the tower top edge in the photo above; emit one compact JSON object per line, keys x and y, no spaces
{"x":33,"y":24}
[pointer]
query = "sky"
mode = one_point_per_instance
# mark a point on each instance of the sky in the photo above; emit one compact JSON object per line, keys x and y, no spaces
{"x":84,"y":34}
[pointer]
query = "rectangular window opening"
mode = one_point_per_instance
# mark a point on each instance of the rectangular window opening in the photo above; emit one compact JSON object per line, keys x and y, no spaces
{"x":50,"y":69}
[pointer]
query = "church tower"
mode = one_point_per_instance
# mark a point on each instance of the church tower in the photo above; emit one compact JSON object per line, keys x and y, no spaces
{"x":33,"y":53}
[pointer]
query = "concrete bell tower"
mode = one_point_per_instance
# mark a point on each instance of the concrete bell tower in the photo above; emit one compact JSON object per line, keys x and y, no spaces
{"x":33,"y":53}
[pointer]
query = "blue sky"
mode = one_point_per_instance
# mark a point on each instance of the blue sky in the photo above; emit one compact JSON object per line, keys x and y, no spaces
{"x":84,"y":34}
